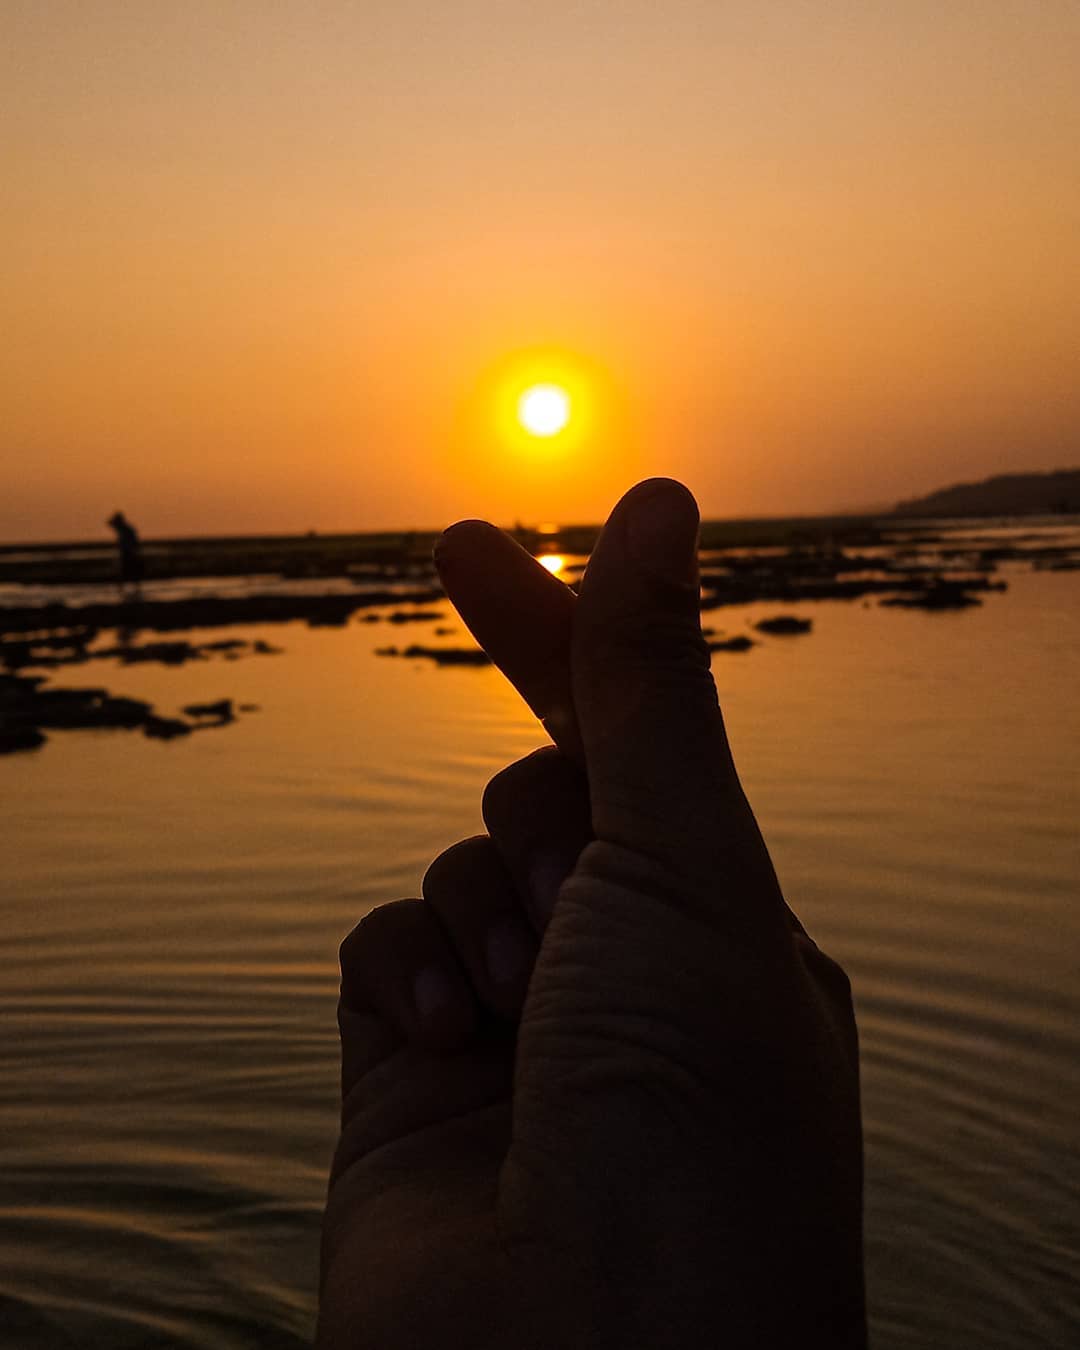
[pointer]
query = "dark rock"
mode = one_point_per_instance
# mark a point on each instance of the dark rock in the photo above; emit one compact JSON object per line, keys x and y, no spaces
{"x":21,"y":686}
{"x":333,"y":611}
{"x":47,"y":649}
{"x":941,"y":596}
{"x":216,"y":714}
{"x":25,"y":709}
{"x":442,"y":656}
{"x":17,"y":655}
{"x":78,"y":709}
{"x":784,"y":625}
{"x":780,"y":586}
{"x":739,"y":643}
{"x":451,"y":656}
{"x":207,"y":611}
{"x":18,"y":736}
{"x":68,"y":707}
{"x":122,"y":712}
{"x":413,"y":615}
{"x":165,"y":728}
{"x":1059,"y":565}
{"x":167,"y":653}
{"x":180,"y":651}
{"x":76,"y":638}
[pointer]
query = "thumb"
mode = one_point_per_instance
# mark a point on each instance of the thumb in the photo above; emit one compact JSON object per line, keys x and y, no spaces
{"x":661,"y":775}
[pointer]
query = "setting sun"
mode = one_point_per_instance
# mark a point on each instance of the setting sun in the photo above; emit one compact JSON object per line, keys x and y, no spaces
{"x":544,"y":409}
{"x":545,"y":424}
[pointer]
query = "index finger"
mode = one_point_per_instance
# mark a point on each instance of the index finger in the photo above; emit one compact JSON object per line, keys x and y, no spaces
{"x":521,"y":615}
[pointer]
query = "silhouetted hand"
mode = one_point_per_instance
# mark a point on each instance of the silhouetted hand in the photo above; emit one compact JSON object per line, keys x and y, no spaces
{"x":599,"y":1087}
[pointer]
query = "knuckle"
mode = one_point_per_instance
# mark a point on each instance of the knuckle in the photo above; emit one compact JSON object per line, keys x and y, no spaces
{"x":840,"y":979}
{"x":544,"y":770}
{"x":497,"y":791}
{"x":348,"y":946}
{"x":831,"y":974}
{"x":373,"y":931}
{"x":454,"y":864}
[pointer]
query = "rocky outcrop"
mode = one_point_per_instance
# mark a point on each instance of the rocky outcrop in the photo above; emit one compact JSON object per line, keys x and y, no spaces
{"x":28,"y":710}
{"x":784,"y":625}
{"x":739,"y":643}
{"x":939,"y":595}
{"x":442,"y":656}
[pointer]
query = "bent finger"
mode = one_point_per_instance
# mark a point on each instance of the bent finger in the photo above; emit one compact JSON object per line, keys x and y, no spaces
{"x":397,"y":962}
{"x":469,"y":888}
{"x":537,"y":812}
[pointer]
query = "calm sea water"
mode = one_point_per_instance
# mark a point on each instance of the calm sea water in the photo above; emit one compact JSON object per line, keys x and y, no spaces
{"x":172,"y":911}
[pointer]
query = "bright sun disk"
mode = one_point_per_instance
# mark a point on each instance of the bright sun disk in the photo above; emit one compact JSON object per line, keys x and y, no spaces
{"x":544,"y":409}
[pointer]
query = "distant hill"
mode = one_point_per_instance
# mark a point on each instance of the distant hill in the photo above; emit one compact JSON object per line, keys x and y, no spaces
{"x":1009,"y":494}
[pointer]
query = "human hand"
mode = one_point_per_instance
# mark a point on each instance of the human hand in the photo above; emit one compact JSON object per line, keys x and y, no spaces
{"x":597,"y":1093}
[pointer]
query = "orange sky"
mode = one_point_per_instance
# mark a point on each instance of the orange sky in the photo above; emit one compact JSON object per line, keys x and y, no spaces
{"x":263,"y":263}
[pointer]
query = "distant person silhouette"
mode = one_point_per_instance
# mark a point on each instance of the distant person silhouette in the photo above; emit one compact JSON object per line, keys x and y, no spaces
{"x":131,"y":559}
{"x":600,"y":1090}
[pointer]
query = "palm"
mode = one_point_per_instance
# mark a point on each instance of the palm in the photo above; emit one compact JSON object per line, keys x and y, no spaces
{"x":413,"y":1214}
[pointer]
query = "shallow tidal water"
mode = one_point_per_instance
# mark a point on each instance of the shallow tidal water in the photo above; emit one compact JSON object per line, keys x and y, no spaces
{"x":171,"y":914}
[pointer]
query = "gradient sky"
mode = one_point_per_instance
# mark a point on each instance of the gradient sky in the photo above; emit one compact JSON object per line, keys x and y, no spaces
{"x":263,"y":262}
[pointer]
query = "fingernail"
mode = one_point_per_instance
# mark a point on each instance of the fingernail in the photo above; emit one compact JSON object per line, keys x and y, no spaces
{"x":433,"y":993}
{"x":546,"y":875}
{"x":510,"y":951}
{"x":662,"y":532}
